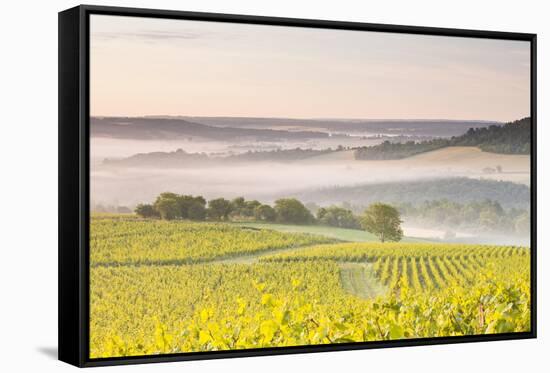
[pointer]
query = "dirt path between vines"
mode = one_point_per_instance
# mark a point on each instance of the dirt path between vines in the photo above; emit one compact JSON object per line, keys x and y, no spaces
{"x":360,"y":280}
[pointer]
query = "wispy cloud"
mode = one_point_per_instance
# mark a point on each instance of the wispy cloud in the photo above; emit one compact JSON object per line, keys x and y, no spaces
{"x":149,"y":35}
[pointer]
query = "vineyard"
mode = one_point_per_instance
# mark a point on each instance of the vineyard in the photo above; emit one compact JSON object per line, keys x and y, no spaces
{"x":124,"y":241}
{"x":418,"y":266}
{"x":163,"y":287}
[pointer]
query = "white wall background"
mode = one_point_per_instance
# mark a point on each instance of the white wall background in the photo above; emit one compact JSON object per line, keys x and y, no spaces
{"x":28,"y":159}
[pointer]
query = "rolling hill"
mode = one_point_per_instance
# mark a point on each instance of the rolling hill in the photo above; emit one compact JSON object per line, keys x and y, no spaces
{"x":144,"y":128}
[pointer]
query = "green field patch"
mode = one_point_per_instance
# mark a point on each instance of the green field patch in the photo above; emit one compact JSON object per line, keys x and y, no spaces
{"x":342,"y":234}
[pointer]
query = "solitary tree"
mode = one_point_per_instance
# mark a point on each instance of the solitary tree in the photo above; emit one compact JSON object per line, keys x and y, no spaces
{"x":383,"y":221}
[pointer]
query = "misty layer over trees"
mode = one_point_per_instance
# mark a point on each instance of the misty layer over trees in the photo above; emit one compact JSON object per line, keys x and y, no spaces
{"x":463,"y":178}
{"x":478,"y":216}
{"x":458,"y":190}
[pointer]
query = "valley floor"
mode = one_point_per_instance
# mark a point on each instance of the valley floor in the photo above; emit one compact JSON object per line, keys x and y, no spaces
{"x":468,"y":161}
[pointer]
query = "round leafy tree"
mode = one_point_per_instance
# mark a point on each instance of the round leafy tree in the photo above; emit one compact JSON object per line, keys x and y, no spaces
{"x":383,"y":221}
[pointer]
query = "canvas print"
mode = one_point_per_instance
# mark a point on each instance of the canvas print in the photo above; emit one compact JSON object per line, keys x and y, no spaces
{"x":262,"y":186}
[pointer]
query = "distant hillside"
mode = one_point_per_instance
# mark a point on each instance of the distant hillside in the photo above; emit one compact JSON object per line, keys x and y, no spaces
{"x":180,"y":158}
{"x":409,"y":127}
{"x":460,"y":190}
{"x":145,"y":128}
{"x":510,"y":138}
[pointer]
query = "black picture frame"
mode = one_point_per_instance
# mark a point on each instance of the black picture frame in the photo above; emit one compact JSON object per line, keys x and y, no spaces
{"x":74,"y":182}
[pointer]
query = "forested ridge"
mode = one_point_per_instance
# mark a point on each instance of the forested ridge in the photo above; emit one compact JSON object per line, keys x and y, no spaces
{"x":510,"y":138}
{"x":180,"y":158}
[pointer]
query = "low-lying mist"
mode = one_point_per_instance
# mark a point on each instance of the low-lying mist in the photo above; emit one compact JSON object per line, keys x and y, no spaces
{"x":310,"y":179}
{"x":265,"y":180}
{"x":449,"y":234}
{"x":104,"y":147}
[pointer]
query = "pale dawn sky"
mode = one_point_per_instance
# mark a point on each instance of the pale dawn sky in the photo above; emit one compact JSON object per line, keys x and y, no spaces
{"x":148,"y":66}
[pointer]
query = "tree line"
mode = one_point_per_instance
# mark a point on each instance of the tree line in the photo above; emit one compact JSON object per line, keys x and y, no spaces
{"x":379,"y":219}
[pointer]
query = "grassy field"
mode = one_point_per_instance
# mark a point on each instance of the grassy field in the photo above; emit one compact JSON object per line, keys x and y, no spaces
{"x":342,"y":234}
{"x":165,"y":287}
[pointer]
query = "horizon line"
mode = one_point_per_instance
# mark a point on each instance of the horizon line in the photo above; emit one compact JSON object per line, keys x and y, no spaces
{"x":176,"y":116}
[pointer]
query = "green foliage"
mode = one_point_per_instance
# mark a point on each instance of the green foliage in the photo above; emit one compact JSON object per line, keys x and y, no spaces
{"x":167,"y":206}
{"x":237,"y":205}
{"x":219,"y":209}
{"x":170,"y":206}
{"x":250,"y":208}
{"x":335,"y":216}
{"x":265,"y":213}
{"x":194,"y":209}
{"x":510,"y":138}
{"x":290,"y":210}
{"x":384,"y":221}
{"x":146,"y":211}
{"x":174,"y":206}
{"x":242,"y":209}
